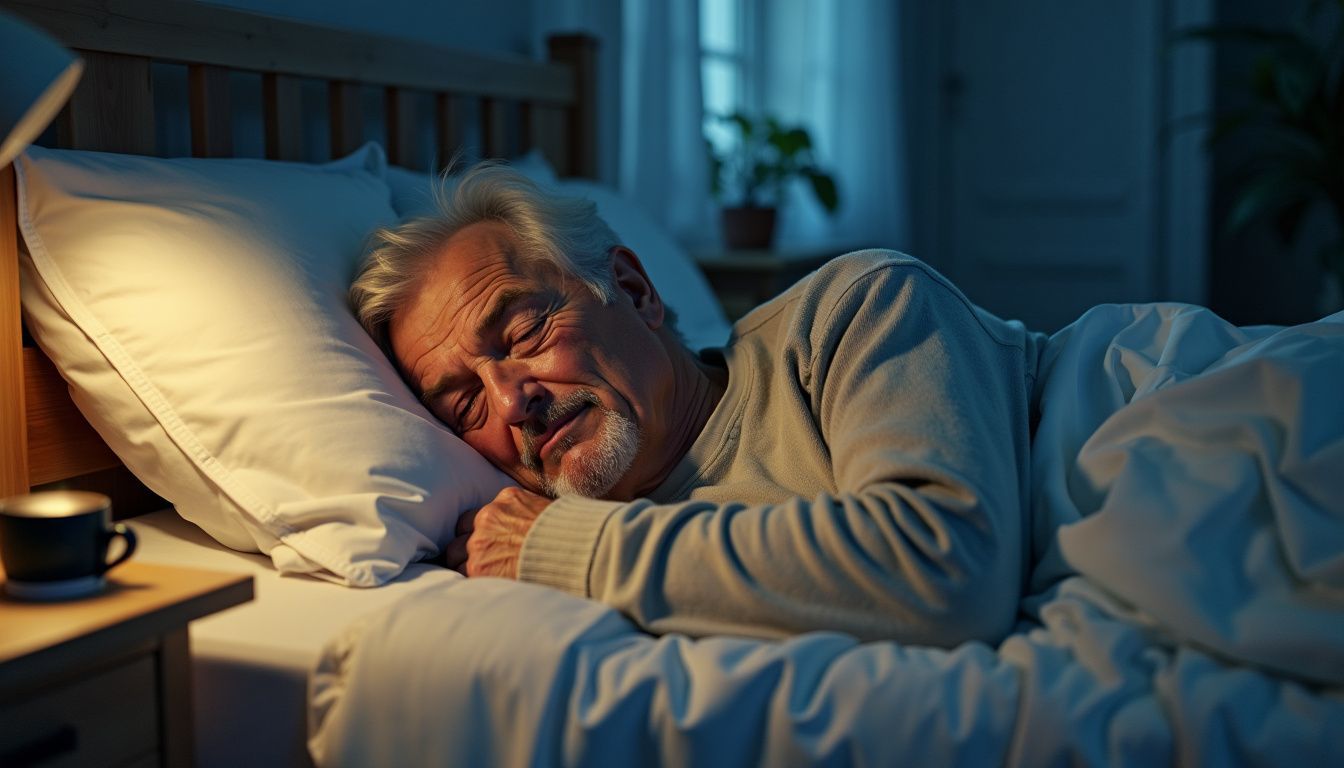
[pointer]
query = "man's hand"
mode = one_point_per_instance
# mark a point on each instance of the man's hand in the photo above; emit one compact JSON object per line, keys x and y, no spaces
{"x":490,"y":539}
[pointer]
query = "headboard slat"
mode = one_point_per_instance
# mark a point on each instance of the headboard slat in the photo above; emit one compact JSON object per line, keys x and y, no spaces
{"x":347,"y":117}
{"x":211,"y":122}
{"x":527,"y":126}
{"x":548,"y":134}
{"x":403,"y":146}
{"x":447,"y":128}
{"x":494,"y":128}
{"x":13,"y":424}
{"x":282,"y":107}
{"x":112,"y":109}
{"x":580,"y":52}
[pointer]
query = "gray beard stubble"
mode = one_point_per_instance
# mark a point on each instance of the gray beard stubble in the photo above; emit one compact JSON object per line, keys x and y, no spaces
{"x":613,"y":451}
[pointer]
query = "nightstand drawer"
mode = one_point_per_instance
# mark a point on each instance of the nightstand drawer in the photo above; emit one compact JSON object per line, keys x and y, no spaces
{"x":109,"y":718}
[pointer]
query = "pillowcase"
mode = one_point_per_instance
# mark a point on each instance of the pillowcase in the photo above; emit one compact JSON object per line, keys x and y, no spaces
{"x":413,"y":191}
{"x":197,"y":309}
{"x":679,"y":281}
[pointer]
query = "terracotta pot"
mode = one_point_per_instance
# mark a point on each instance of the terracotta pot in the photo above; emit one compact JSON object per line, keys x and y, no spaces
{"x":748,"y":227}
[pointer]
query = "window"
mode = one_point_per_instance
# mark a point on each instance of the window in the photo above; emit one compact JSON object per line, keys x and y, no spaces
{"x":726,"y":63}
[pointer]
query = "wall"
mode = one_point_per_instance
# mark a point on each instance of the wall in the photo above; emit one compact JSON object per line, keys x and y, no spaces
{"x":483,"y":25}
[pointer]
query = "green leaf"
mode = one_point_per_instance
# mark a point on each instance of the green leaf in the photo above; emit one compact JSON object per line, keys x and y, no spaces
{"x":769,"y":155}
{"x":743,"y":123}
{"x":1288,"y":70}
{"x":1263,"y":77}
{"x":715,"y":173}
{"x":1229,"y":123}
{"x":823,"y":186}
{"x":789,"y":143}
{"x":1266,"y":195}
{"x":1297,"y":76}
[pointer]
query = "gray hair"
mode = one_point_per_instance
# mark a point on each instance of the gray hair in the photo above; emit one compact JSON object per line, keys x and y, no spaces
{"x":565,"y":232}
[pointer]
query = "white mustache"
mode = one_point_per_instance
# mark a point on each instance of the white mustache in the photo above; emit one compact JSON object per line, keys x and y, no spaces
{"x":558,"y":411}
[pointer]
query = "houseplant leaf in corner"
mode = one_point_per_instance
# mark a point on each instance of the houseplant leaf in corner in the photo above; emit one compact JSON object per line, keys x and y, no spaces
{"x":1295,"y":106}
{"x":823,"y":186}
{"x":752,"y":172}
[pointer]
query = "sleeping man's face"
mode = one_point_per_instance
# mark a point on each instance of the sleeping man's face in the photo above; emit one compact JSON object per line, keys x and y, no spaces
{"x":533,"y":371}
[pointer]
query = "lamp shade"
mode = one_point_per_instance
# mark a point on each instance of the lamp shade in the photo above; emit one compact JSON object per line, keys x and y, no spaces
{"x":37,"y":75}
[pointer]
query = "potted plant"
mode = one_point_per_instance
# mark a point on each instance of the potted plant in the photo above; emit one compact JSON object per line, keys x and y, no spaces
{"x":749,"y":174}
{"x":1295,"y":105}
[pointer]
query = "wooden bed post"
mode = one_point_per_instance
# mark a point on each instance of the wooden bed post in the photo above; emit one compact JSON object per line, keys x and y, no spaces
{"x":580,"y":53}
{"x":13,"y":420}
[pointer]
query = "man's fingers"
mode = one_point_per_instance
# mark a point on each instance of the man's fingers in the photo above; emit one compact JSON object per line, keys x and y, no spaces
{"x":490,"y":539}
{"x":466,"y":522}
{"x":455,"y":554}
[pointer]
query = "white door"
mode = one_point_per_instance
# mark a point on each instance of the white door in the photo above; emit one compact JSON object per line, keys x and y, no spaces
{"x":1050,"y":130}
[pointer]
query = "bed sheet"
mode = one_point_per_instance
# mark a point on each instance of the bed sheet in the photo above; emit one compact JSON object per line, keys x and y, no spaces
{"x":250,"y":664}
{"x":1187,"y":605}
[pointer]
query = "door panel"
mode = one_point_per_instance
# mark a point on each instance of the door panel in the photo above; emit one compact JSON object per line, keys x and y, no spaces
{"x":1050,"y":115}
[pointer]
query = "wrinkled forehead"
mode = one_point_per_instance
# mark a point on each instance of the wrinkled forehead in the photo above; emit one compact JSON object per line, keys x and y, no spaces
{"x":459,"y":277}
{"x":465,"y":268}
{"x":470,"y":283}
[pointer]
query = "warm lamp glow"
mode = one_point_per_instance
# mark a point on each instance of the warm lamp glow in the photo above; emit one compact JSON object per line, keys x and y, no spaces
{"x":54,"y":504}
{"x":38,"y":76}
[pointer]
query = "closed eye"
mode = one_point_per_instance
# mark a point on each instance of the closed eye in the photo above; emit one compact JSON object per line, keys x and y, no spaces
{"x":464,"y":411}
{"x":531,"y":331}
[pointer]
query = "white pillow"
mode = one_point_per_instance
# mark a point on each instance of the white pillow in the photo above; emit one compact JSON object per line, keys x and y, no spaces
{"x":197,"y":309}
{"x":413,"y":191}
{"x":679,"y":281}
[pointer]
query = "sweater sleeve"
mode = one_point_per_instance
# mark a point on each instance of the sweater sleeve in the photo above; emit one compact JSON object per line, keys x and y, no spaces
{"x":920,"y":404}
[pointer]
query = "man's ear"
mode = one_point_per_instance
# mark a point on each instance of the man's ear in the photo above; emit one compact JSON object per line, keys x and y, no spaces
{"x":633,"y":283}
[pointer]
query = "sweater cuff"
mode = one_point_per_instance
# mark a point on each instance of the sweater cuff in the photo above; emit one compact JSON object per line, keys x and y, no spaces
{"x":558,"y":551}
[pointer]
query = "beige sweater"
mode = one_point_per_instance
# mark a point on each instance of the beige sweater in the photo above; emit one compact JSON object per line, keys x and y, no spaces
{"x":866,"y":471}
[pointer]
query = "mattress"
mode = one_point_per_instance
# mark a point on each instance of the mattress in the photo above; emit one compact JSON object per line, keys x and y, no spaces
{"x":251,"y":663}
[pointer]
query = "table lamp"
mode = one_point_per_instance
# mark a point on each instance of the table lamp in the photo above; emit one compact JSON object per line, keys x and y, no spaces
{"x":39,"y":74}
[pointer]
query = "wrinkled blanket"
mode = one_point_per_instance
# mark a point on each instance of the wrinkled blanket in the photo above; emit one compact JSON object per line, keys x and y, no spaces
{"x":1187,"y":604}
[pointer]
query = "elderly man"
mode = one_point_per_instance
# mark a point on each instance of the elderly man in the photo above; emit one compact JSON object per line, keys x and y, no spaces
{"x":856,"y":458}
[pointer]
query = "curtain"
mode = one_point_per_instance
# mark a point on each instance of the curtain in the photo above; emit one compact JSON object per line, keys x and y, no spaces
{"x":834,"y":67}
{"x":663,"y":164}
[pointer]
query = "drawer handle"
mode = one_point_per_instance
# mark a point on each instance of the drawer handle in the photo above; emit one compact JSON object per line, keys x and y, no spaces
{"x":62,"y":740}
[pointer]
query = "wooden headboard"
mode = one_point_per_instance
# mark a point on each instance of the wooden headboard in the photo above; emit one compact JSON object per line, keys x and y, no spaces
{"x":510,"y":104}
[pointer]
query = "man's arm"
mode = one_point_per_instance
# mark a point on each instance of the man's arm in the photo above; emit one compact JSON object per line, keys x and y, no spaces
{"x":919,"y":405}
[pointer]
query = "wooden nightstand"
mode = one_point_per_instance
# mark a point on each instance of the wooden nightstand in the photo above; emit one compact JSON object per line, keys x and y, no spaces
{"x":743,"y":279}
{"x":106,"y":680}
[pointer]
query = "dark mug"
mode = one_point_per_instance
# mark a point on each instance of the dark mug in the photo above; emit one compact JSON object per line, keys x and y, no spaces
{"x":54,"y":544}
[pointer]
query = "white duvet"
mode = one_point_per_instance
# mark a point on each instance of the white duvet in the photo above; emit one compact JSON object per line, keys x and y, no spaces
{"x":1187,"y":605}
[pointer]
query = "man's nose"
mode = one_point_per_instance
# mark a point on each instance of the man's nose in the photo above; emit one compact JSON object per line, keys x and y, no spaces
{"x":515,"y":394}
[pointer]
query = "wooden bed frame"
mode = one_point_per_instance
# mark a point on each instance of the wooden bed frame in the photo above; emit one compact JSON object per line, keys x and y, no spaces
{"x":517,"y":104}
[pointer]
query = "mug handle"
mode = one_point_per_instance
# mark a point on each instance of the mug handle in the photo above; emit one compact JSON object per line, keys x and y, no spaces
{"x":128,"y":538}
